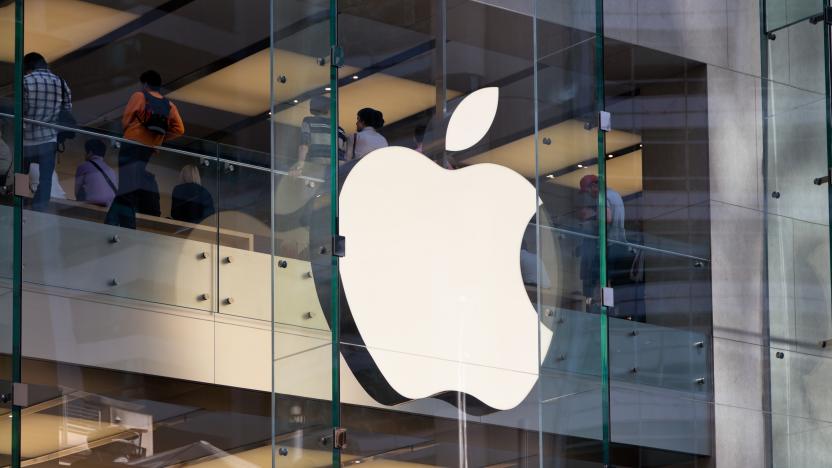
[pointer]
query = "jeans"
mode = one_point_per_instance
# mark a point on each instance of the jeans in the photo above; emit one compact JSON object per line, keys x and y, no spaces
{"x":44,"y":155}
{"x":132,"y":165}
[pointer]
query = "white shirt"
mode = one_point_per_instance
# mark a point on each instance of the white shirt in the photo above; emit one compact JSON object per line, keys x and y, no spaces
{"x":362,"y":143}
{"x":616,"y":206}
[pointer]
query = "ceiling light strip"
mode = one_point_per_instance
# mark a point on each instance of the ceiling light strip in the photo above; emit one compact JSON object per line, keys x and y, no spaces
{"x":593,"y":161}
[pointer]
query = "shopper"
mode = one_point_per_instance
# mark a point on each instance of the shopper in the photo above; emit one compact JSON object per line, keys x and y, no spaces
{"x":366,"y":138}
{"x":95,"y":181}
{"x":45,"y":96}
{"x":149,"y":119}
{"x":191,"y":202}
{"x":315,"y":138}
{"x":619,"y":257}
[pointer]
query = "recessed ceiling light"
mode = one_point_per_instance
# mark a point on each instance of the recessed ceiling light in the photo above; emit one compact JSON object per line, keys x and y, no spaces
{"x":355,"y":77}
{"x":580,"y":166}
{"x":295,"y":101}
{"x":609,"y":155}
{"x":327,"y":89}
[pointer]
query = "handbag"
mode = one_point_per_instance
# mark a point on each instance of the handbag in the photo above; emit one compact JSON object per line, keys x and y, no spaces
{"x":65,"y":119}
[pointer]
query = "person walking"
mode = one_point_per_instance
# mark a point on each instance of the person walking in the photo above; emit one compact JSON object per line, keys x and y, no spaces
{"x":315,"y":137}
{"x":45,"y":96}
{"x":149,"y":119}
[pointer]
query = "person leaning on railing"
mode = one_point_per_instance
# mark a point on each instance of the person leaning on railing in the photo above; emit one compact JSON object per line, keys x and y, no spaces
{"x":149,"y":119}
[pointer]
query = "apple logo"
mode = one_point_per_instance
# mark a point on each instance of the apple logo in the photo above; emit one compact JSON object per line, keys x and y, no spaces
{"x":432,"y":273}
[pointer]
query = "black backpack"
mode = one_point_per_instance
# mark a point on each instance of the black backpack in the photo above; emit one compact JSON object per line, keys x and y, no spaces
{"x":156,"y":114}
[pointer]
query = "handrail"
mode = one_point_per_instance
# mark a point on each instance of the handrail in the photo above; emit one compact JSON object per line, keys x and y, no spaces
{"x":670,"y":253}
{"x":162,"y":148}
{"x":315,"y":179}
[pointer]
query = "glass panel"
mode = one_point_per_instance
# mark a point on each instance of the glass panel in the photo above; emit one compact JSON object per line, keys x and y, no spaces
{"x":678,"y":119}
{"x":429,"y":54}
{"x":657,"y":154}
{"x":244,"y":271}
{"x":70,"y":243}
{"x":780,"y":13}
{"x":99,"y":417}
{"x":6,"y":284}
{"x":9,"y":435}
{"x":300,"y":222}
{"x":121,"y":293}
{"x":572,"y":390}
{"x":438,"y":55}
{"x":653,"y":426}
{"x":796,"y":114}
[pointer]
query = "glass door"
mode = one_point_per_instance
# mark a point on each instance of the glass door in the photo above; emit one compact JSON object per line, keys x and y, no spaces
{"x":796,"y":132}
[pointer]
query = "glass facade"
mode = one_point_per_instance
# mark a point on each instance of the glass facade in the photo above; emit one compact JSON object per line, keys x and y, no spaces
{"x":496,"y":233}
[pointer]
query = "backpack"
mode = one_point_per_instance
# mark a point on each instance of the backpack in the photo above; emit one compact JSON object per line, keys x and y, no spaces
{"x":156,"y":114}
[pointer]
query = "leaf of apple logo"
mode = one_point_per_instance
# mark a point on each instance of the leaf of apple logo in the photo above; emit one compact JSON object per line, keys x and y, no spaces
{"x":432,"y":271}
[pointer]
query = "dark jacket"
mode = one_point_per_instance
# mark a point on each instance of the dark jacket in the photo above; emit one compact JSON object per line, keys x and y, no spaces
{"x":191,"y":203}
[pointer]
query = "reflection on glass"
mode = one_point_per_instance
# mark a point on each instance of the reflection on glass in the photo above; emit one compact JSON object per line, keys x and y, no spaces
{"x":180,"y":233}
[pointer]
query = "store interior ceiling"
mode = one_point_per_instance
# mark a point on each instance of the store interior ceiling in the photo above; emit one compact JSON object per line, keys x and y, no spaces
{"x":215,"y":60}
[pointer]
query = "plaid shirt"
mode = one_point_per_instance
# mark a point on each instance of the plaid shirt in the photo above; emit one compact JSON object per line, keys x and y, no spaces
{"x":43,"y":99}
{"x":314,"y":133}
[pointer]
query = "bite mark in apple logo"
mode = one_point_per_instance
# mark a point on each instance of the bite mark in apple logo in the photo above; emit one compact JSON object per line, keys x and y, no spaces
{"x":432,"y":273}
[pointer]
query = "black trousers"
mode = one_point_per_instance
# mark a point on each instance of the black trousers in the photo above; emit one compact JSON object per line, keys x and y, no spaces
{"x":132,"y":165}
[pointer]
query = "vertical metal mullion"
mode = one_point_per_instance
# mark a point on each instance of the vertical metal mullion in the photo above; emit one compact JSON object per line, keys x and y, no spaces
{"x":333,"y":187}
{"x":602,"y":229}
{"x":17,"y":242}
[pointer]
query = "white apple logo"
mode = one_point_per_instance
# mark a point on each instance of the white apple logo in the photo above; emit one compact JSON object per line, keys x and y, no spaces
{"x":432,"y":270}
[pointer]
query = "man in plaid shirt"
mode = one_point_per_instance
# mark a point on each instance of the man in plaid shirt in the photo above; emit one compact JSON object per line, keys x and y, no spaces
{"x":44,"y":96}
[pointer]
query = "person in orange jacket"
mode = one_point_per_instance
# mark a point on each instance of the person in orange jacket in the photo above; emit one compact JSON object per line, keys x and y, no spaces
{"x":149,"y":119}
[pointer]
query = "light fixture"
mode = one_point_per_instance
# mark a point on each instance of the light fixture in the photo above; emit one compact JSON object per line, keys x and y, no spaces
{"x":609,"y":156}
{"x":550,"y":176}
{"x":640,"y":145}
{"x":580,"y":166}
{"x":327,"y":89}
{"x":355,"y":77}
{"x":295,"y":101}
